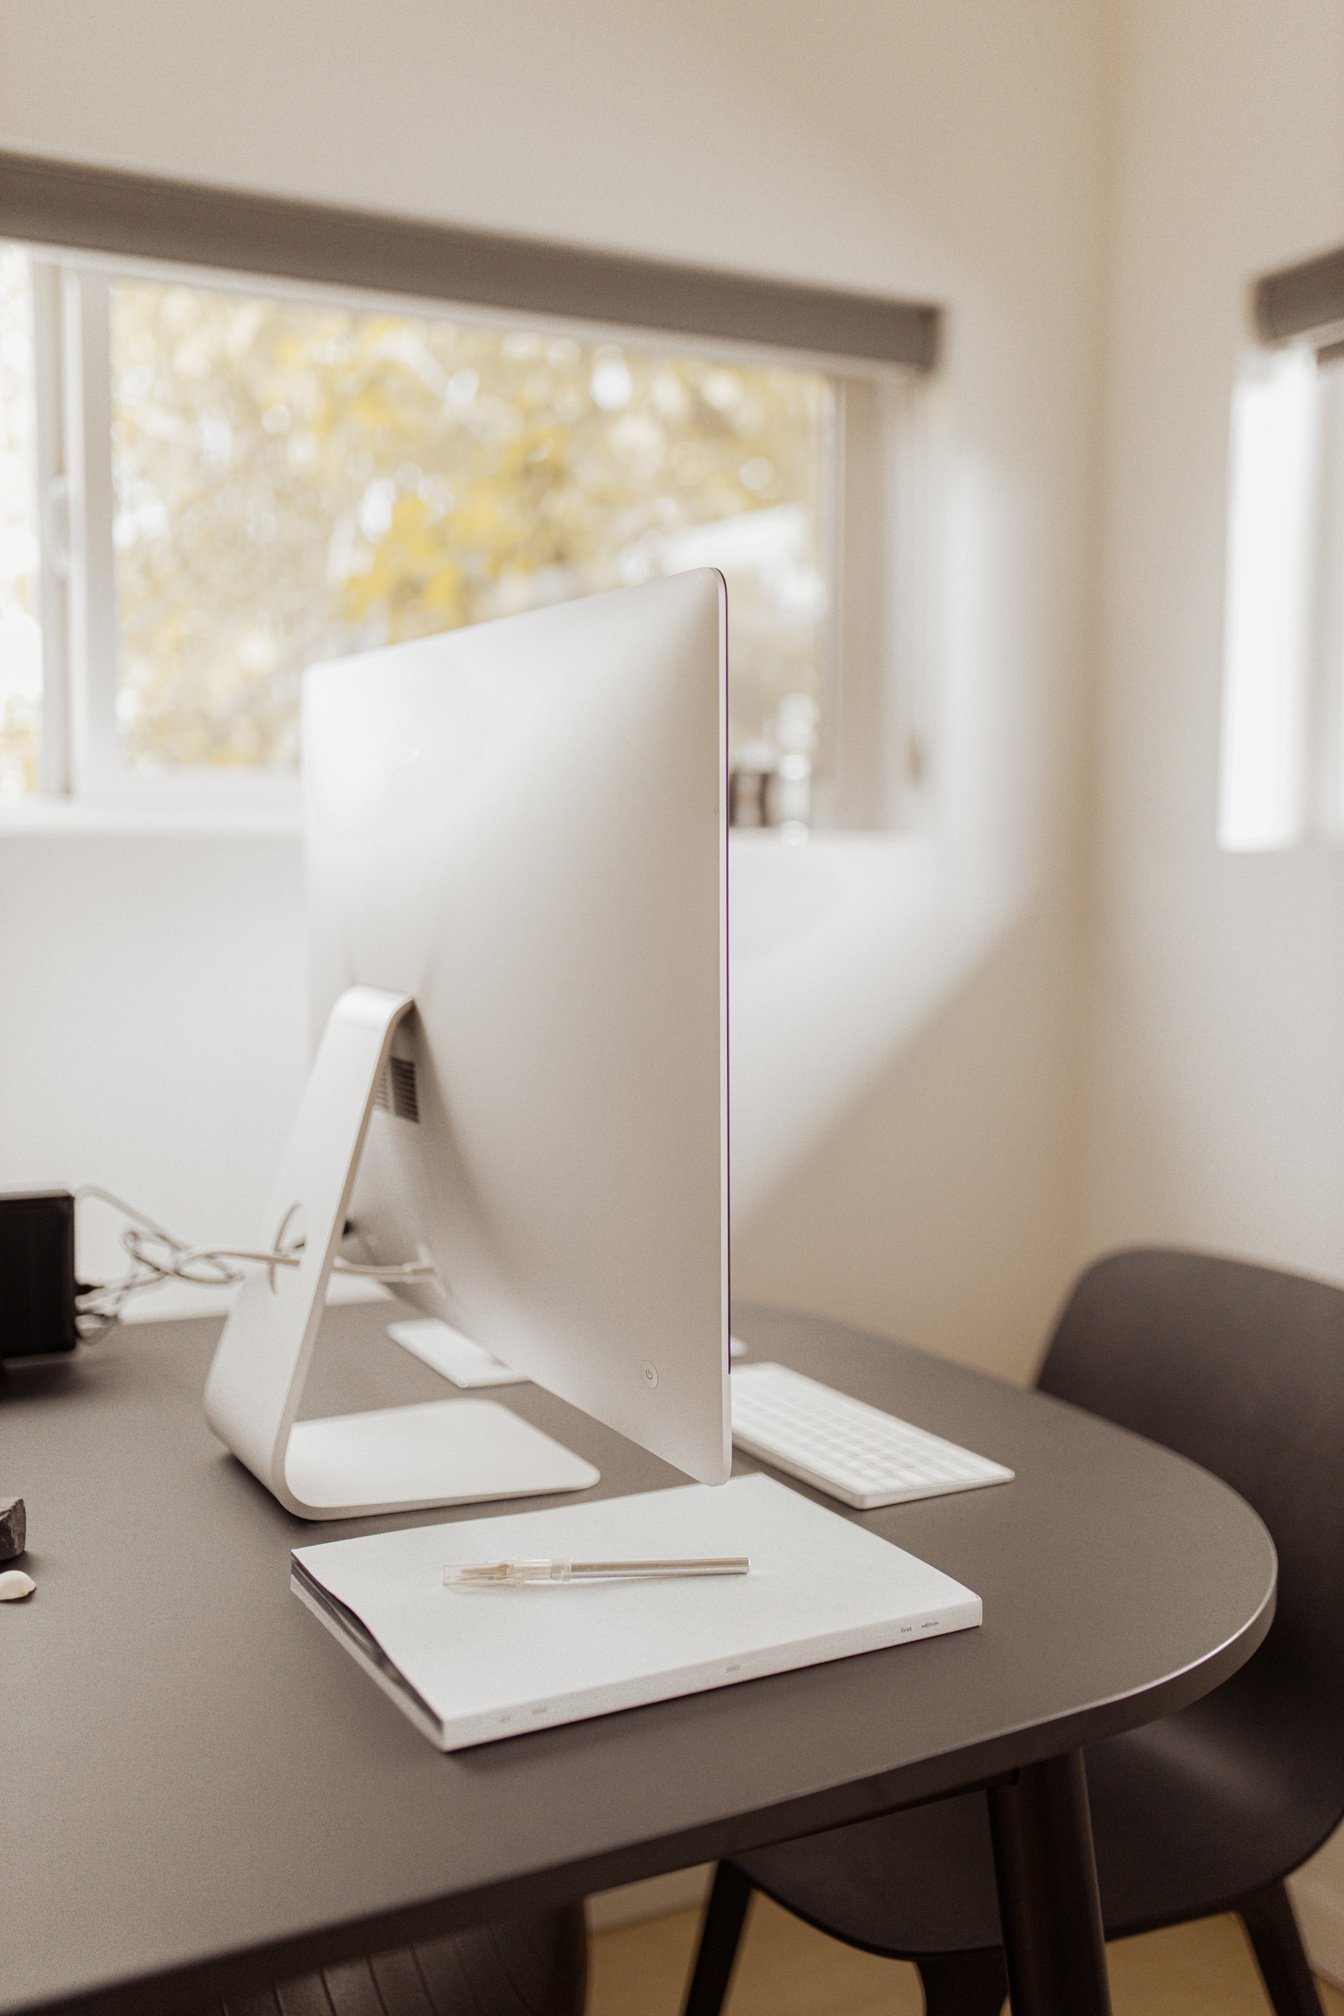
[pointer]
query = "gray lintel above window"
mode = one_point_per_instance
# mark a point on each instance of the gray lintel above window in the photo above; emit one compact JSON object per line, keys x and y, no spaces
{"x":1302,"y":301}
{"x":66,"y":206}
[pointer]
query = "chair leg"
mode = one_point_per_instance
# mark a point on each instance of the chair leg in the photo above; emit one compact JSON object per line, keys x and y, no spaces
{"x":1272,"y":1930}
{"x":725,"y":1915}
{"x":964,"y":1984}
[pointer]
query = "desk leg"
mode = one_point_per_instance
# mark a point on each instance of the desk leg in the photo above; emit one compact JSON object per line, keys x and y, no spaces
{"x":1047,"y":1878}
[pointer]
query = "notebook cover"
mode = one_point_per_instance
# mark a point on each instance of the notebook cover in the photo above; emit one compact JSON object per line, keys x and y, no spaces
{"x":471,"y":1665}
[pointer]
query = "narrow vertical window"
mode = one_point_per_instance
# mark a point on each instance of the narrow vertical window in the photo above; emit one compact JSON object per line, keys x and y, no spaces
{"x":1268,"y":644}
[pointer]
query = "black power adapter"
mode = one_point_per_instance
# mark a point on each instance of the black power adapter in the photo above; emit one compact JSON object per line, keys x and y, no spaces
{"x":37,"y":1274}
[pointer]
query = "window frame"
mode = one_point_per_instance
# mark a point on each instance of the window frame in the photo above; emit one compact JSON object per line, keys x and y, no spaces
{"x":1280,"y":781}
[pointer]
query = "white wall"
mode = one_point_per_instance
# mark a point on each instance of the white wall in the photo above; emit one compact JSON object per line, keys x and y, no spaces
{"x":1216,"y":1061}
{"x":152,"y":1027}
{"x":903,"y":1025}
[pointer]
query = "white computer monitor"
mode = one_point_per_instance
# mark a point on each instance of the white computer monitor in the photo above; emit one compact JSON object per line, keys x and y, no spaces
{"x":517,"y":899}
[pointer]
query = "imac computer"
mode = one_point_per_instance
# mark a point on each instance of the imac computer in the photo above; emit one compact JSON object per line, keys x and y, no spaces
{"x":516,"y":858}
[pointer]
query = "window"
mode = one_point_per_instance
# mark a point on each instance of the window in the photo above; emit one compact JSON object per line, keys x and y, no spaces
{"x":1282,"y":771}
{"x":235,"y":476}
{"x":1282,"y":767}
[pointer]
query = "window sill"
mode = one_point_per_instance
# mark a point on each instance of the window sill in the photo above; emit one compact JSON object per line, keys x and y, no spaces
{"x":151,"y":818}
{"x":173,"y":816}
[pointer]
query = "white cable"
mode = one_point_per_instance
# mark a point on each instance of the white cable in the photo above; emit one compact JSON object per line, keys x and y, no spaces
{"x":103,"y":1305}
{"x":187,"y":1257}
{"x":223,"y":1264}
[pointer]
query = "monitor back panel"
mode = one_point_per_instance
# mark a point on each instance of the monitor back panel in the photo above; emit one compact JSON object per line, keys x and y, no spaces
{"x":523,"y":825}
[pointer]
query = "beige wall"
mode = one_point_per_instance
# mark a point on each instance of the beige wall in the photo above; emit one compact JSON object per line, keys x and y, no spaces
{"x":1216,"y":1065}
{"x":1216,"y":1056}
{"x":903,"y":1012}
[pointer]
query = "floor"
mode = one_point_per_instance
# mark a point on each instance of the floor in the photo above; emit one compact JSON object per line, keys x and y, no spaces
{"x":786,"y":1969}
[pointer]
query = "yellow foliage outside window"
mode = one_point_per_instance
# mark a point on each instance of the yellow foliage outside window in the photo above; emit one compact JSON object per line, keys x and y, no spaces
{"x":296,"y":482}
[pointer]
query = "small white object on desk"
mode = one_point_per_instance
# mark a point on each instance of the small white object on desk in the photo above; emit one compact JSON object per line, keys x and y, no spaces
{"x":15,"y":1585}
{"x":447,"y":1352}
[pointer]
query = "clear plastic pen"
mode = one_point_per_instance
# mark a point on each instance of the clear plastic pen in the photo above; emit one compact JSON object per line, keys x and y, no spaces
{"x":517,"y":1574}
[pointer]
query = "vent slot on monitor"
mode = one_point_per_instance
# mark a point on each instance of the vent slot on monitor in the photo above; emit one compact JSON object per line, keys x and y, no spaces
{"x":397,"y":1092}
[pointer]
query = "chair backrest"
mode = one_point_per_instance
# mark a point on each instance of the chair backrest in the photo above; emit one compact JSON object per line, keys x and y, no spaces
{"x":1240,"y":1368}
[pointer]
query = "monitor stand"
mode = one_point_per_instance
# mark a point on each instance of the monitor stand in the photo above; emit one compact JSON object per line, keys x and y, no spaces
{"x":444,"y":1452}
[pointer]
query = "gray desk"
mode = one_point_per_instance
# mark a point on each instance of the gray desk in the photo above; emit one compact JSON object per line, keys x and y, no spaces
{"x":200,"y":1788}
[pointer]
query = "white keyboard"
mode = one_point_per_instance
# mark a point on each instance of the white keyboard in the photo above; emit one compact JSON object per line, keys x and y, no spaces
{"x":855,"y":1452}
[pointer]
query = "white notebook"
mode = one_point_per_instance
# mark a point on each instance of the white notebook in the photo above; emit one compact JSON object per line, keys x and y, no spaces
{"x":470,"y":1665}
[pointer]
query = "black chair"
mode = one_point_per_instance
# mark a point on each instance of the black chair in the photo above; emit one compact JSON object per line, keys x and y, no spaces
{"x":1241,"y":1369}
{"x":534,"y":1966}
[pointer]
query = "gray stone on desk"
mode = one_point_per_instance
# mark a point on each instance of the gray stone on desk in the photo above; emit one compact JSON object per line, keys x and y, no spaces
{"x":13,"y":1528}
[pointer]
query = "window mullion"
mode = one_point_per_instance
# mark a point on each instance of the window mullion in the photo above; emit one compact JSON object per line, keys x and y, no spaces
{"x":911,"y":596}
{"x":54,"y":777}
{"x":94,"y":753}
{"x":861,"y":561}
{"x":1325,"y":738}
